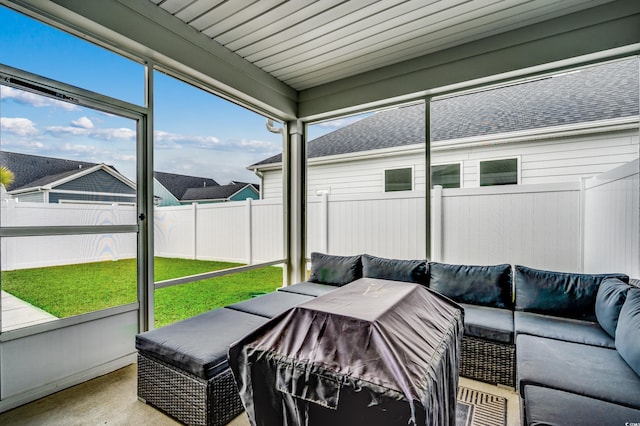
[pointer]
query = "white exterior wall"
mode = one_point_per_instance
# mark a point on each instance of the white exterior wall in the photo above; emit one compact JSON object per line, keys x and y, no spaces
{"x":564,"y":159}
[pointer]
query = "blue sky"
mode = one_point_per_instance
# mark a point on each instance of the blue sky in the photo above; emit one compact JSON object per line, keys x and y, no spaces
{"x":195,"y":133}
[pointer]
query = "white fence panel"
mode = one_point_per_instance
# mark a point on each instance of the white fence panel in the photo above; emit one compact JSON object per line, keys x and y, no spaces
{"x":174,"y":232}
{"x":222,"y":231}
{"x":612,"y":221}
{"x":546,"y":226}
{"x":533,"y":225}
{"x":387,"y":225}
{"x":32,"y":252}
{"x":267,"y":236}
{"x":242,"y":232}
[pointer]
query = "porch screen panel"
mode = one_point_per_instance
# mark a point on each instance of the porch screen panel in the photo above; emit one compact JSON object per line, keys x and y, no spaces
{"x":68,"y":208}
{"x":213,"y":213}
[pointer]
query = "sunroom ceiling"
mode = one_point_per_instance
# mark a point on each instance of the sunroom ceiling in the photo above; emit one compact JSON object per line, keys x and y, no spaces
{"x":306,"y":43}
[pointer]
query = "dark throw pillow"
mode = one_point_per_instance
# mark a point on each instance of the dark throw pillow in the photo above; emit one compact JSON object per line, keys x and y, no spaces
{"x":476,"y":285}
{"x":413,"y":271}
{"x":611,"y":296}
{"x":628,"y":330}
{"x":334,"y":270}
{"x":559,"y":293}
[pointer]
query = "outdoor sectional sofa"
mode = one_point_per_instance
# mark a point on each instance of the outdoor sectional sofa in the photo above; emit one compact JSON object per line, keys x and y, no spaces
{"x":538,"y":331}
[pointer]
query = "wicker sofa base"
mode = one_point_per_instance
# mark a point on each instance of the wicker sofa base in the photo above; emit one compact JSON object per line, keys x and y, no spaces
{"x":488,"y":362}
{"x":185,"y":397}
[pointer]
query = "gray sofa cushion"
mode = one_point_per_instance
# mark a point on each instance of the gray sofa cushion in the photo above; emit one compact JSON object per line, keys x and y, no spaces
{"x":609,"y":300}
{"x":568,"y":329}
{"x":270,"y":305}
{"x":308,"y":288}
{"x":558,"y":293}
{"x":628,"y":331}
{"x":199,"y":344}
{"x":476,"y":285}
{"x":488,"y":323}
{"x":591,"y":371}
{"x":413,"y":271}
{"x":335,"y":270}
{"x":544,"y":406}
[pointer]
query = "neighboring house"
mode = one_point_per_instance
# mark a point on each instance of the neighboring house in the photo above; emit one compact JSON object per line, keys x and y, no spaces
{"x":553,"y":129}
{"x":172,"y":190}
{"x":169,"y":188}
{"x":234,"y":191}
{"x":54,"y":180}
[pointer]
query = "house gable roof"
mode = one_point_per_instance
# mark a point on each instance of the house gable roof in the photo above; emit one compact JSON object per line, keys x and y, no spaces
{"x":222,"y":192}
{"x":179,"y":184}
{"x":34,"y":170}
{"x":592,"y":94}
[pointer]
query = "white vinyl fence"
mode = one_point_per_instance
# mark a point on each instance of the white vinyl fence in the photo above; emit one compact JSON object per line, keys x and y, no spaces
{"x":34,"y":252}
{"x":612,"y":221}
{"x":587,"y":226}
{"x":241,"y":231}
{"x":535,"y":225}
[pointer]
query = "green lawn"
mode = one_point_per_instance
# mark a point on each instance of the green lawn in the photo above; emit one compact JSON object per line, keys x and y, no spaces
{"x":75,"y":289}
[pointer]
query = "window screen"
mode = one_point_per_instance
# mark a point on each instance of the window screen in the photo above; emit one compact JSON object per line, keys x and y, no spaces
{"x":499,"y":172}
{"x":446,"y":175}
{"x":398,"y":180}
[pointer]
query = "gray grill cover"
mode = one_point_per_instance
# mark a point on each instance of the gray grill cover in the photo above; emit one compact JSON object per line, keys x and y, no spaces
{"x":374,"y":352}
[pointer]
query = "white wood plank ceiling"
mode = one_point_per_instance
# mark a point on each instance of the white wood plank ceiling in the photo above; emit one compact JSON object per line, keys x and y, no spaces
{"x":306,"y":43}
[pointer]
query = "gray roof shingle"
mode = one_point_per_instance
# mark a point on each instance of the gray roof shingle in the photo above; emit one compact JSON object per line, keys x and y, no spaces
{"x":221,"y":192}
{"x":596,"y":93}
{"x":34,"y":170}
{"x":179,"y":184}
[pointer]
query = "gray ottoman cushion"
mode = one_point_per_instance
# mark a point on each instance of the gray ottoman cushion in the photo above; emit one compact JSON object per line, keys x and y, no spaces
{"x":570,"y":330}
{"x":544,"y":406}
{"x":595,"y":372}
{"x":308,"y":288}
{"x":488,"y":323}
{"x":199,"y":344}
{"x":271,"y":304}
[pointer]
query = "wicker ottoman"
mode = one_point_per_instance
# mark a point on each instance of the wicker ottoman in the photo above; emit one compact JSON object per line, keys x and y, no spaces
{"x":183,"y":368}
{"x":488,"y":351}
{"x":489,"y":362}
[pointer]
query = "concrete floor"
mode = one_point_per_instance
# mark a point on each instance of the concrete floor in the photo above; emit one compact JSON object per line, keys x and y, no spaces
{"x":112,"y":400}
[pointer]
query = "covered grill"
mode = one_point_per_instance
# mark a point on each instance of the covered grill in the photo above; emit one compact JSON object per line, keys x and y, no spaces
{"x":374,"y":352}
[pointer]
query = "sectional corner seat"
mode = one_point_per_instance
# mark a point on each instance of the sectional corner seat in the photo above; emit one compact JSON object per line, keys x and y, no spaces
{"x":542,"y":319}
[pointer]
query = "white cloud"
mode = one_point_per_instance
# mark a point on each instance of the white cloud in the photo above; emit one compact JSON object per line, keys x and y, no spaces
{"x":18,"y":126}
{"x":33,"y":99}
{"x":259,"y":145}
{"x":83,"y":122}
{"x":67,"y":131}
{"x":100,"y":134}
{"x":79,"y":149}
{"x":121,"y":133}
{"x":29,"y":146}
{"x":171,"y":140}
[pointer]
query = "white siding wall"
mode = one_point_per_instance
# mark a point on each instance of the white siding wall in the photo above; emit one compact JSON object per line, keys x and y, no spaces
{"x":363,"y":176}
{"x":541,"y":161}
{"x":272,"y":185}
{"x":612,"y":221}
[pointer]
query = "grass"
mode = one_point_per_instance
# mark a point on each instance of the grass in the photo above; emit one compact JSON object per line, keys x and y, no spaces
{"x":70,"y":290}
